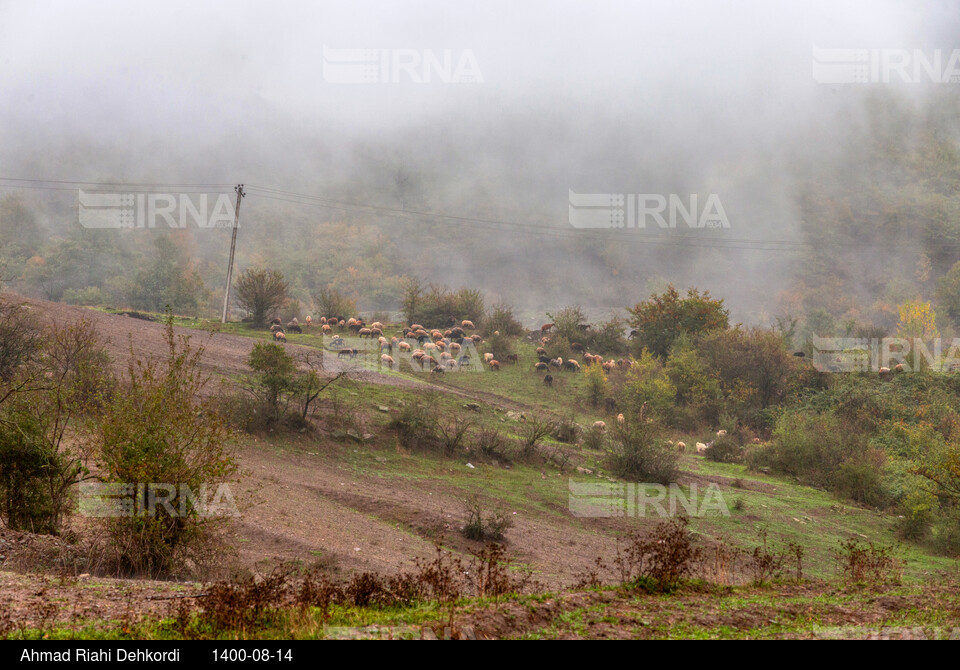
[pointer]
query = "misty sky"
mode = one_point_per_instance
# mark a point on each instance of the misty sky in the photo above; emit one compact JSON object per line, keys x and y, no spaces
{"x":591,"y":97}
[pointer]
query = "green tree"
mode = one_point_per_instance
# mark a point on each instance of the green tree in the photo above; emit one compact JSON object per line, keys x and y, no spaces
{"x":660,"y":320}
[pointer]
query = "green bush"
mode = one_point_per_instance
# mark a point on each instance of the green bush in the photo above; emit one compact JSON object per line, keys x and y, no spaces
{"x":163,"y":428}
{"x":638,"y":453}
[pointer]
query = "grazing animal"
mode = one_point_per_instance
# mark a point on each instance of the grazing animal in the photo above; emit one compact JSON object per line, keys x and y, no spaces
{"x":540,"y":367}
{"x":347,"y":353}
{"x":294,"y":328}
{"x":386,"y":360}
{"x":476,"y":339}
{"x":437,"y":370}
{"x":464,"y":361}
{"x":275,"y":328}
{"x":512,"y":358}
{"x":579,"y":348}
{"x":278,"y":336}
{"x":404,"y":346}
{"x":721,"y":433}
{"x":545,"y":328}
{"x":541,"y":351}
{"x":544,"y":358}
{"x":467,"y":324}
{"x":309,"y":319}
{"x":548,"y":380}
{"x":376,"y":324}
{"x":487,"y":357}
{"x":571,"y":365}
{"x":701,"y":447}
{"x":681,"y":447}
{"x":600,"y":425}
{"x":495,"y":365}
{"x":556,"y":363}
{"x":620,"y":418}
{"x":455,"y":348}
{"x":326,"y":329}
{"x":608,"y":366}
{"x":610,"y":405}
{"x":275,"y":322}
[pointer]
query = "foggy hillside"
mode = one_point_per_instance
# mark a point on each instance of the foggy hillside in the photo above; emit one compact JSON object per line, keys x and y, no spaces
{"x":466,"y":183}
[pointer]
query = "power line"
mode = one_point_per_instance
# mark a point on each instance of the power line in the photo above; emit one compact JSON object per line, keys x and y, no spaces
{"x":647,"y":237}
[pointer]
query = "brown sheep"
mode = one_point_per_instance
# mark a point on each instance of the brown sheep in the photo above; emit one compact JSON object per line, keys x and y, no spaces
{"x":326,"y":329}
{"x":540,"y":367}
{"x":467,"y":324}
{"x":476,"y":339}
{"x":512,"y":358}
{"x":278,"y":336}
{"x":495,"y":365}
{"x":541,"y":351}
{"x":545,"y":328}
{"x":404,"y":346}
{"x":600,"y":425}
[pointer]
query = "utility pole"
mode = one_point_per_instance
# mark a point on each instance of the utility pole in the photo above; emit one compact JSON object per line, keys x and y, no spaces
{"x":233,"y":247}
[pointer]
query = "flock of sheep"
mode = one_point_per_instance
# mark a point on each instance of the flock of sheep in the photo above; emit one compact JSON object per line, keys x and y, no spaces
{"x":441,"y":351}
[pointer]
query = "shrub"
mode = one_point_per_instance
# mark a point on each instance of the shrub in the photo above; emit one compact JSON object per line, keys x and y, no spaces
{"x":725,"y":449}
{"x":660,"y":561}
{"x":502,"y":319}
{"x":596,"y":385}
{"x":65,"y":379}
{"x":638,"y":453}
{"x":163,"y":428}
{"x":867,"y":564}
{"x":482,"y":524}
{"x":567,"y":430}
{"x":437,"y":306}
{"x":331,"y":302}
{"x":416,"y":426}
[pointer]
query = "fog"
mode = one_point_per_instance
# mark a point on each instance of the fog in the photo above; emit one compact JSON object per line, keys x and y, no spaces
{"x":601,"y":97}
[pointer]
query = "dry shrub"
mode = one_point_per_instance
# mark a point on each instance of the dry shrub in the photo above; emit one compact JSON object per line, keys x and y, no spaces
{"x":867,"y":564}
{"x":661,"y":561}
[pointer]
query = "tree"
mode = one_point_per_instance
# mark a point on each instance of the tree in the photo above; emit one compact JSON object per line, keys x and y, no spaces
{"x":948,"y":292}
{"x":282,"y":379}
{"x":331,"y":302}
{"x":663,"y":318}
{"x":261,"y":292}
{"x":38,"y":467}
{"x":169,"y":281}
